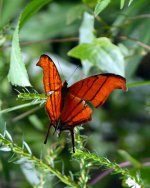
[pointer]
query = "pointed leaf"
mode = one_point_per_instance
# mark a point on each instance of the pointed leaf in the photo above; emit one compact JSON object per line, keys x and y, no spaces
{"x":122,"y":4}
{"x":101,"y":5}
{"x":101,"y":53}
{"x":26,"y":146}
{"x":86,"y":35}
{"x":7,"y":134}
{"x":17,"y":73}
{"x":128,"y":157}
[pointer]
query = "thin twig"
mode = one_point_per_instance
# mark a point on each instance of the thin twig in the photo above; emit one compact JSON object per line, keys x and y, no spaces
{"x":105,"y":173}
{"x":46,"y":41}
{"x":147,"y":47}
{"x":140,"y":17}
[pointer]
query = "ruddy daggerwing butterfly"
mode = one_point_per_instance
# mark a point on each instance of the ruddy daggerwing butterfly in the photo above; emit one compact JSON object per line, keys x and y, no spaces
{"x":66,"y":106}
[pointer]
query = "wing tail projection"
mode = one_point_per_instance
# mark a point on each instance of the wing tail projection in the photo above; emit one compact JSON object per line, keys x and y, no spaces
{"x":96,"y":89}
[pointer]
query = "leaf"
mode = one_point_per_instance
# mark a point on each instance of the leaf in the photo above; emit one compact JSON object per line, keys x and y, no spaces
{"x":5,"y":149}
{"x":128,"y":157}
{"x":86,"y":35}
{"x":86,"y":31}
{"x":26,"y":146}
{"x":130,"y":2}
{"x":8,"y":10}
{"x":30,"y":172}
{"x":17,"y":73}
{"x":90,"y":3}
{"x":102,"y":54}
{"x":31,"y":9}
{"x":101,"y":5}
{"x":7,"y":134}
{"x":72,"y":13}
{"x":122,"y":4}
{"x":54,"y":18}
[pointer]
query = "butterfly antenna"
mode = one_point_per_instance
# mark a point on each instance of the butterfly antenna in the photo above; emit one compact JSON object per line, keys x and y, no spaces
{"x":59,"y":66}
{"x":72,"y":138}
{"x":47,"y":133}
{"x":73,"y":73}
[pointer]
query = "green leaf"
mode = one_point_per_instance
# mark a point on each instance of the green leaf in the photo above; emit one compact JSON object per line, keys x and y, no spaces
{"x":86,"y":35}
{"x":90,"y":3}
{"x":8,"y":10}
{"x":122,"y":4}
{"x":130,"y":2}
{"x":26,"y":146}
{"x":17,"y":73}
{"x":72,"y":13}
{"x":31,"y":9}
{"x":102,"y":54}
{"x":128,"y":157}
{"x":86,"y":31}
{"x":101,"y":5}
{"x":7,"y":134}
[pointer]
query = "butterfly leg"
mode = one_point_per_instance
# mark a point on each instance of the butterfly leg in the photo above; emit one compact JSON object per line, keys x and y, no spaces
{"x":47,"y":133}
{"x":72,"y":138}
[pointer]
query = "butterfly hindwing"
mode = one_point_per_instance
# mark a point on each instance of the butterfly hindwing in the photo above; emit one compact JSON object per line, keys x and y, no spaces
{"x":96,"y":89}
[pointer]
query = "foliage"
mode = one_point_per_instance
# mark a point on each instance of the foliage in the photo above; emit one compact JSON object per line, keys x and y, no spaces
{"x":106,"y":36}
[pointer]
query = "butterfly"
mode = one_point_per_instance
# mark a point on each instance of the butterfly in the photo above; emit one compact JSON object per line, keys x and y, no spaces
{"x":66,"y":106}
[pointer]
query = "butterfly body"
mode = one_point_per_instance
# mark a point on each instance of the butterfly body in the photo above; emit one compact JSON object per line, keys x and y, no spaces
{"x":66,"y":106}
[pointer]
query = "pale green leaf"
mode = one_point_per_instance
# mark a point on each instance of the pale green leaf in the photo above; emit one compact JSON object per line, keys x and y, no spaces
{"x":5,"y":149}
{"x":130,"y":2}
{"x":122,"y":2}
{"x":26,"y":146}
{"x":101,"y":5}
{"x":7,"y":134}
{"x":101,"y":53}
{"x":86,"y":35}
{"x":86,"y":31}
{"x":17,"y":73}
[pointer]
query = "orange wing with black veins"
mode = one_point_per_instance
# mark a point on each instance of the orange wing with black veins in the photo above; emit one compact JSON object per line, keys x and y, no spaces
{"x":96,"y":89}
{"x":52,"y":85}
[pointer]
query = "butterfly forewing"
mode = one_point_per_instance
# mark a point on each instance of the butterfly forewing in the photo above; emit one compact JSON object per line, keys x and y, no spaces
{"x":51,"y":78}
{"x":52,"y":85}
{"x":53,"y":107}
{"x":96,"y":89}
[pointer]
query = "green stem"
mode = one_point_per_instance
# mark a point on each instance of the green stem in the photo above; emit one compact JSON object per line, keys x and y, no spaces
{"x":18,"y":150}
{"x":138,"y":83}
{"x":102,"y":161}
{"x":19,"y":106}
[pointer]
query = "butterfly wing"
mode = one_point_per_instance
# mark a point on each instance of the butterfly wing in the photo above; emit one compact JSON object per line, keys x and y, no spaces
{"x":75,"y":112}
{"x":51,"y":78}
{"x":52,"y":85}
{"x":96,"y":89}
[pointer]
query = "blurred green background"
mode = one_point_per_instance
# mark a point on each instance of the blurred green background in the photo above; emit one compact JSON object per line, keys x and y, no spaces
{"x":122,"y":123}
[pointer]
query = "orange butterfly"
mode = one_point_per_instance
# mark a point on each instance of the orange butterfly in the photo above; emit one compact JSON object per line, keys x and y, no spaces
{"x":66,"y":106}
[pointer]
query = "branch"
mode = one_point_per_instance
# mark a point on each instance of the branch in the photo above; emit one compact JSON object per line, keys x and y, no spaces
{"x":40,"y":164}
{"x":147,"y":47}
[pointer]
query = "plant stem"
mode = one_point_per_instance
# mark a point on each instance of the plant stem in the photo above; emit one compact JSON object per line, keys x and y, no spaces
{"x":40,"y":164}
